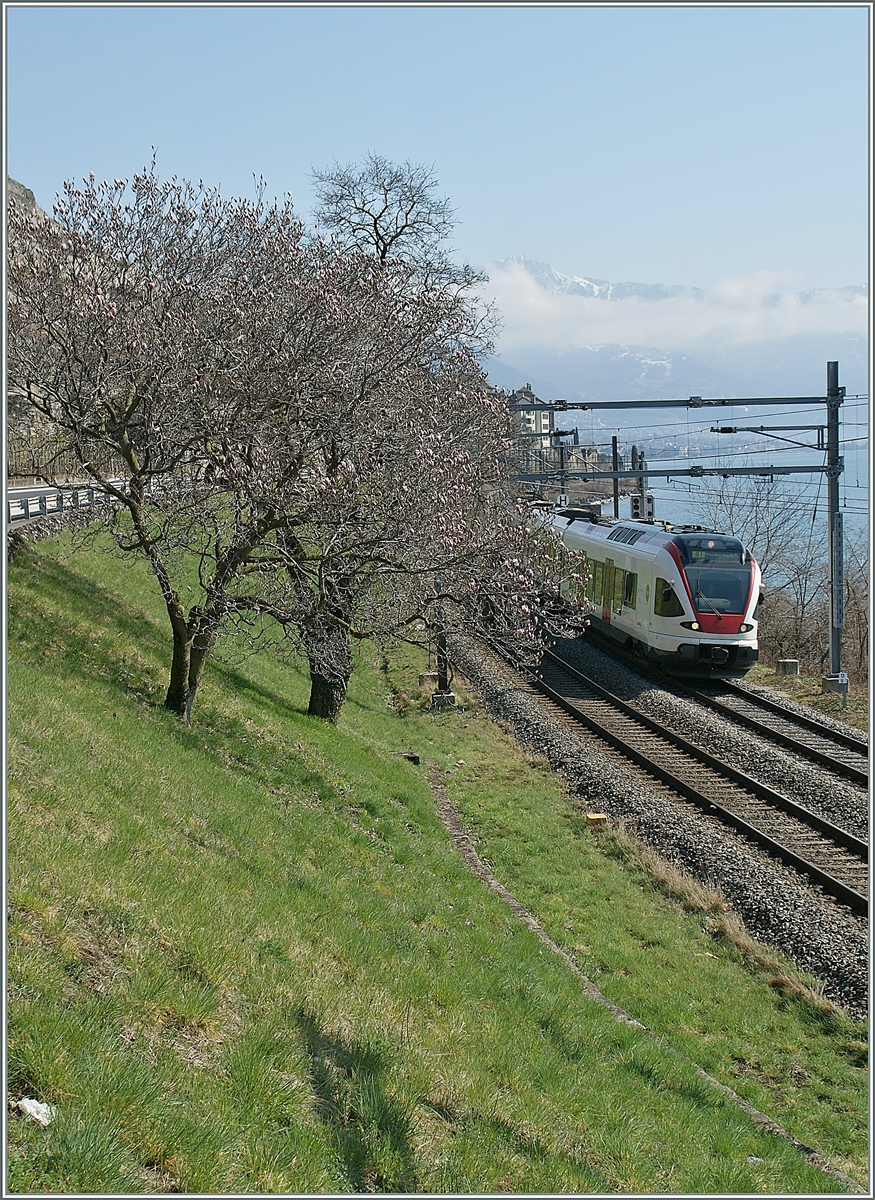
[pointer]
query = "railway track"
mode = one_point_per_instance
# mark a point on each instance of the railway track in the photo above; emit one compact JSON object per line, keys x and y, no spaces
{"x":838,"y":751}
{"x":832,"y":857}
{"x":842,"y":753}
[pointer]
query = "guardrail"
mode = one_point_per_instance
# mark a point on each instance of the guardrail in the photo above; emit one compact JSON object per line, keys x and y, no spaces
{"x":43,"y":504}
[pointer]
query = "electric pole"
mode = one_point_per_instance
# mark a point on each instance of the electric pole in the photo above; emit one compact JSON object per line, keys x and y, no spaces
{"x":834,"y":397}
{"x":616,"y":466}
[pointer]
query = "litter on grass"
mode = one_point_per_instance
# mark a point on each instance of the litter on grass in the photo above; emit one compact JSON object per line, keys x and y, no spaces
{"x":44,"y":1113}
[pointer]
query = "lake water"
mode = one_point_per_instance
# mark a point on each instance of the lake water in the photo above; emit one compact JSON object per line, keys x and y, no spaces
{"x":682,"y":500}
{"x":663,"y":438}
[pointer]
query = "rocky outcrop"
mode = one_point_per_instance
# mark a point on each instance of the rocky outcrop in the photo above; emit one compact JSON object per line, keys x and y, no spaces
{"x":22,"y":196}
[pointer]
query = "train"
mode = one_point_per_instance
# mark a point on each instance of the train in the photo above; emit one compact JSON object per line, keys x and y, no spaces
{"x":685,"y":597}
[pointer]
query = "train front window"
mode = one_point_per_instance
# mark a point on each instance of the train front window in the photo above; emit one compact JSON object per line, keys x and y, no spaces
{"x":718,"y":589}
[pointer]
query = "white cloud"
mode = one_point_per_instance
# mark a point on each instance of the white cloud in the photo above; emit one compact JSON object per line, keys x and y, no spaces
{"x":739,"y":310}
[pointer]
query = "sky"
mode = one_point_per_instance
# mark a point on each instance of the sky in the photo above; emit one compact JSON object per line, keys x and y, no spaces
{"x":725,"y":148}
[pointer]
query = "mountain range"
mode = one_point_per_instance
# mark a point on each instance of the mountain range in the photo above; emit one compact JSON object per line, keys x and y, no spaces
{"x":778,"y":366}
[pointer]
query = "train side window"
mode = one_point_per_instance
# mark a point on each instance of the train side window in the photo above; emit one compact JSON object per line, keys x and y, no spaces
{"x":579,"y":589}
{"x":594,"y":590}
{"x":617,"y":598}
{"x":630,"y":590}
{"x":665,"y":602}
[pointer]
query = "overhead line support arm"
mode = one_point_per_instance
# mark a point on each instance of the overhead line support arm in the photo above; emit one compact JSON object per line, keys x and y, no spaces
{"x":690,"y":402}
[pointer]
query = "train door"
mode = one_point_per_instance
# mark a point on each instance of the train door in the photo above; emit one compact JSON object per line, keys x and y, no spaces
{"x":607,"y":590}
{"x":645,"y":591}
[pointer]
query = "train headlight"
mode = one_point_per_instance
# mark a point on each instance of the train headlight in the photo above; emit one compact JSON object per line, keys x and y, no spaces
{"x":746,"y":628}
{"x":690,"y":624}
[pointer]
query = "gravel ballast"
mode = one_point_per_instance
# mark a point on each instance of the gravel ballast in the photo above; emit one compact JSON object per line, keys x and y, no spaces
{"x":828,"y":795}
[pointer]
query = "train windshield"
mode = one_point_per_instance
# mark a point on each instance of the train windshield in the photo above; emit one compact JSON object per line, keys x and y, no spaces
{"x":719,"y":589}
{"x":718,"y":571}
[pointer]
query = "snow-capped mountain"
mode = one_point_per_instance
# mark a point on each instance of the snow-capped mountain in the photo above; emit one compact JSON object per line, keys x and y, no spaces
{"x":575,"y":285}
{"x":559,"y":284}
{"x":740,"y":339}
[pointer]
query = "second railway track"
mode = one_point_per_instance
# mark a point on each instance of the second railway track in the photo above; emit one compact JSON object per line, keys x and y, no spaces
{"x":832,"y":857}
{"x":840,"y":752}
{"x":843,"y":753}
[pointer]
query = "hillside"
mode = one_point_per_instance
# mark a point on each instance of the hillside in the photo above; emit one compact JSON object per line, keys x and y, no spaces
{"x":248,"y":957}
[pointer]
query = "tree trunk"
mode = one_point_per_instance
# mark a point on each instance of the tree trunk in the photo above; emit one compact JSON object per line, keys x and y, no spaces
{"x":177,"y":691}
{"x":201,"y":646}
{"x":192,"y":643}
{"x":330,"y":662}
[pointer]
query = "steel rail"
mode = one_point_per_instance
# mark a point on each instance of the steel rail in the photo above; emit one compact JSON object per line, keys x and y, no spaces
{"x":812,"y":723}
{"x":837,"y":887}
{"x":762,"y":790}
{"x":823,"y":758}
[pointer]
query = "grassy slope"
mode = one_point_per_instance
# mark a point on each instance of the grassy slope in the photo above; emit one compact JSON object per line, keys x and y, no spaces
{"x":245,"y":957}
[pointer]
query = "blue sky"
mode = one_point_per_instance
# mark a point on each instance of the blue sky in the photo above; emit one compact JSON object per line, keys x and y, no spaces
{"x":656,"y":144}
{"x":723,"y":148}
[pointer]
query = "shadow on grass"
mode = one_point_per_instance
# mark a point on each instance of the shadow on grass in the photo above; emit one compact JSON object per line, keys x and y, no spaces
{"x":38,"y":576}
{"x":481,"y":1127}
{"x":103,"y":607}
{"x":487,"y":1131}
{"x":242,"y":685}
{"x":369,"y":1128}
{"x":571,"y":1049}
{"x":697,"y":1092}
{"x":109,"y":615}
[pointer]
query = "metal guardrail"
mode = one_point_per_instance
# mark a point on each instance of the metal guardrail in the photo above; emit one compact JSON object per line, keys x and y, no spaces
{"x":42,"y":504}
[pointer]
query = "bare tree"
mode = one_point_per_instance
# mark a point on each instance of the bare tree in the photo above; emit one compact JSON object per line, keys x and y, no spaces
{"x":414,"y":509}
{"x":389,"y":208}
{"x":416,"y":529}
{"x":178,"y":344}
{"x":433,"y":535}
{"x":856,"y":630}
{"x":393,"y":211}
{"x":762,"y":513}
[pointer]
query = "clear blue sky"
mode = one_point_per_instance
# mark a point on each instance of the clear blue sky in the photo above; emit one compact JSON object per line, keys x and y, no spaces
{"x":656,"y":144}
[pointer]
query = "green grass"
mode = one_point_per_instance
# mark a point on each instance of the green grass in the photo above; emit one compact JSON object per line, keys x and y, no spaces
{"x":245,"y":956}
{"x":739,"y":1010}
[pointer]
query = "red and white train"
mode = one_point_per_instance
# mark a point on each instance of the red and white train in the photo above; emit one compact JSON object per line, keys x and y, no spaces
{"x":683,"y":596}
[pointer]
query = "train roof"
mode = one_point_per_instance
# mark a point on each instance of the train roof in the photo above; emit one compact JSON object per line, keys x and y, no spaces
{"x":653,"y":535}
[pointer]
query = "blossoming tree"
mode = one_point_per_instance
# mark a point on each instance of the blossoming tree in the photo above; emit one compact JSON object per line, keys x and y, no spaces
{"x":295,"y":433}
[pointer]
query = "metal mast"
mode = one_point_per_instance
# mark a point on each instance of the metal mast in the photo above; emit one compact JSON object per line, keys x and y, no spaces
{"x":835,"y":465}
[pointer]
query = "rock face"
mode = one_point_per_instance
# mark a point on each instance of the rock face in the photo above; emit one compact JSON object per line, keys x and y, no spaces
{"x":22,"y":196}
